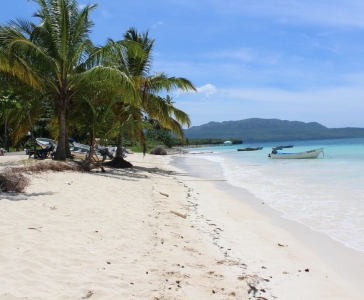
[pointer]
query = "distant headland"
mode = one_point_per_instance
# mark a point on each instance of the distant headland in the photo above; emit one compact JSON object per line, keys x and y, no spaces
{"x":266,"y":130}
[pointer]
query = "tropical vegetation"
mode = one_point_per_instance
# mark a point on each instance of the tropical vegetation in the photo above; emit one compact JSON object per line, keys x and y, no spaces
{"x":52,"y":74}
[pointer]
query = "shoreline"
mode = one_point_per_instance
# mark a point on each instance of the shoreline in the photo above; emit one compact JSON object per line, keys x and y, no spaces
{"x":347,"y":263}
{"x":113,"y":236}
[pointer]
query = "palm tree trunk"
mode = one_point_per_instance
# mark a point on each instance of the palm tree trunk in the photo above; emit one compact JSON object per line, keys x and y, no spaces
{"x":119,"y":161}
{"x":119,"y":150}
{"x":61,"y":147}
{"x":67,"y":145}
{"x":92,"y":145}
{"x":6,"y":135}
{"x":32,"y":132}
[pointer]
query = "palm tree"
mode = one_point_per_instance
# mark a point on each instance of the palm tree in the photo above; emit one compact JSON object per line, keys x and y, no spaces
{"x":57,"y":56}
{"x":8,"y":110}
{"x":148,"y":87}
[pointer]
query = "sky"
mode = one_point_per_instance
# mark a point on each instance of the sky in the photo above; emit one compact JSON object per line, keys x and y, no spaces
{"x":296,"y":60}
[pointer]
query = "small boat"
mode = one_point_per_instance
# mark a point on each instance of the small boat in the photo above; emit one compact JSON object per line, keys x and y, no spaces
{"x":250,"y":149}
{"x":281,"y":147}
{"x":45,"y":142}
{"x":306,"y":154}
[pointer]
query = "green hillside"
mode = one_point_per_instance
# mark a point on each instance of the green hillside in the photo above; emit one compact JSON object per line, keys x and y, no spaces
{"x":265,"y":130}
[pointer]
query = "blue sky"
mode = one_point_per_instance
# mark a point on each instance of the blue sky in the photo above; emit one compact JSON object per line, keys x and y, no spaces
{"x":285,"y":59}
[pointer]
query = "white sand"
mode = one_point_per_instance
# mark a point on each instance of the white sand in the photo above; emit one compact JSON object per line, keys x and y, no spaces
{"x":112,"y":236}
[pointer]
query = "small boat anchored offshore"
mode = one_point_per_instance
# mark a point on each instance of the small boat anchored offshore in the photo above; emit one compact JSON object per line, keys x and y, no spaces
{"x":306,"y":154}
{"x":250,"y":149}
{"x":281,"y":147}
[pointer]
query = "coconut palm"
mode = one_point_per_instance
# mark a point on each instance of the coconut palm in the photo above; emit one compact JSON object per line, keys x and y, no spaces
{"x":57,"y":56}
{"x":148,"y":87}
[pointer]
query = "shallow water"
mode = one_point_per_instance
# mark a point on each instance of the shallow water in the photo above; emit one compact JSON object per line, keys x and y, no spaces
{"x":325,"y":194}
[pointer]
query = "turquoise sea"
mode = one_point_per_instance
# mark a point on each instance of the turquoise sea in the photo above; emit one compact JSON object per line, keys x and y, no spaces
{"x":325,"y":194}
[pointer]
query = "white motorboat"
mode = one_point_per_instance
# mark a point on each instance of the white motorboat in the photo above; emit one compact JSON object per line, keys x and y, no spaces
{"x":306,"y":154}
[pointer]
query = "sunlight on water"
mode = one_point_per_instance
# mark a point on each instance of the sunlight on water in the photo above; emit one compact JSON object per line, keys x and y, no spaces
{"x":325,"y":194}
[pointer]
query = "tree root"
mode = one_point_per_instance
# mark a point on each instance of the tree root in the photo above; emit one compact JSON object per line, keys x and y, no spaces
{"x":119,"y":163}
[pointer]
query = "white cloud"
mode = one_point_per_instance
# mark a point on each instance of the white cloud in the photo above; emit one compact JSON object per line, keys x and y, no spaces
{"x":330,"y":106}
{"x":207,"y":89}
{"x":158,"y":24}
{"x":106,"y":13}
{"x":81,"y":6}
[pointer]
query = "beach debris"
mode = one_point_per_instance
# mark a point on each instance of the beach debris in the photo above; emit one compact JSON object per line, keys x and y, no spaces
{"x":280,"y":245}
{"x":307,"y":270}
{"x":87,"y":294}
{"x":252,"y":289}
{"x":179,"y":214}
{"x":164,"y":194}
{"x":35,"y":228}
{"x":13,"y":181}
{"x":53,"y":208}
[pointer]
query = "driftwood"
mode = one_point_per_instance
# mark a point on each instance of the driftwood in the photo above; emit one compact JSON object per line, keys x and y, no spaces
{"x":179,"y":214}
{"x":164,"y":194}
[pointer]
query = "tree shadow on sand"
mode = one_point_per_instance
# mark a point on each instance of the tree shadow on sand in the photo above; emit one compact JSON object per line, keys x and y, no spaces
{"x":136,"y":172}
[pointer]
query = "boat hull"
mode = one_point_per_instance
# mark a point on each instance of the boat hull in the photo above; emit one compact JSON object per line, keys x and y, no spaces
{"x":301,"y":155}
{"x":250,"y":149}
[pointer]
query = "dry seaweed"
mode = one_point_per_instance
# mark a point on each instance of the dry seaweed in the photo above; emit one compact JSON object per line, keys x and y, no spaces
{"x":47,"y":166}
{"x":12,"y":179}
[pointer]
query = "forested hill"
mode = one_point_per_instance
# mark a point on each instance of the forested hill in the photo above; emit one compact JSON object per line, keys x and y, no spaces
{"x":264,"y":130}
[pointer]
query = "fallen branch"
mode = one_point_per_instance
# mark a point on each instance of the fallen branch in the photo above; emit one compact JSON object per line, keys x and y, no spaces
{"x":164,"y":194}
{"x":179,"y":214}
{"x":35,"y":228}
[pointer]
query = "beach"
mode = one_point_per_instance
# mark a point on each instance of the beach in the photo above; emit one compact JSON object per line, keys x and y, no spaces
{"x":158,"y":231}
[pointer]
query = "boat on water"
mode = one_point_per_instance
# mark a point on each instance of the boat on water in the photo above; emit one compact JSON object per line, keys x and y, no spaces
{"x":281,"y":147}
{"x":306,"y":154}
{"x":250,"y":149}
